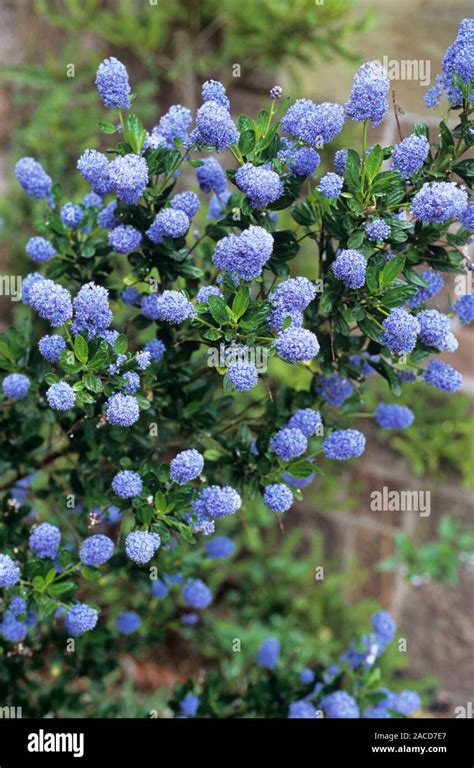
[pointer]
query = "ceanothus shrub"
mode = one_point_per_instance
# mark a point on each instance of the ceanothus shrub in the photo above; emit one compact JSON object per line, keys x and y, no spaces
{"x":107,"y":387}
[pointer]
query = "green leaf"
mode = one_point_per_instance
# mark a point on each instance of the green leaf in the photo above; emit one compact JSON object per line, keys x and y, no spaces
{"x":397,"y":296}
{"x":392,"y":269}
{"x":356,"y":239}
{"x":135,"y":133}
{"x":212,"y":334}
{"x":93,"y":383}
{"x":61,"y":587}
{"x":92,"y":574}
{"x":352,"y":173}
{"x":106,"y":127}
{"x":241,"y":302}
{"x":218,"y":310}
{"x":374,"y":162}
{"x":121,"y":345}
{"x":81,"y":349}
{"x":247,"y":141}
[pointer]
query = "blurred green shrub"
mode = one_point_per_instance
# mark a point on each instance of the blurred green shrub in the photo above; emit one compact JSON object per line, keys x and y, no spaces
{"x":437,"y":560}
{"x":439,"y":442}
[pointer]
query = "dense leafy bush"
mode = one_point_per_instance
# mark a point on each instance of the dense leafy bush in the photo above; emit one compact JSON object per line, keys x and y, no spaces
{"x":127,"y":444}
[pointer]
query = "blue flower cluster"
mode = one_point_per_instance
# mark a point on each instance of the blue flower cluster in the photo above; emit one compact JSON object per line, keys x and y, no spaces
{"x":245,"y":254}
{"x":186,"y":466}
{"x":393,"y":416}
{"x":349,"y":267}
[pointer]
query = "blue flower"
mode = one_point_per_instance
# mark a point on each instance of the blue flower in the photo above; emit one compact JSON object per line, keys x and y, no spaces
{"x":243,"y":375}
{"x":81,"y":618}
{"x":278,"y":497}
{"x":9,"y":572}
{"x":128,"y":178}
{"x":393,"y":416}
{"x":384,"y":626}
{"x":60,"y":396}
{"x":464,"y":308}
{"x":197,"y":594}
{"x":434,"y":327}
{"x":91,"y":310}
{"x":340,"y":159}
{"x":174,"y":124}
{"x":442,"y":376}
{"x":16,"y":385}
{"x":156,"y":349}
{"x":331,"y":185}
{"x":213,"y":90}
{"x":261,"y":185}
{"x":190,"y":619}
{"x":189,"y":705}
{"x":143,"y":360}
{"x":130,"y":295}
{"x":51,"y":301}
{"x":17,"y":605}
{"x":409,"y":156}
{"x":94,"y":168}
{"x":214,"y":502}
{"x":106,"y":218}
{"x":406,"y":702}
{"x":435,"y":284}
{"x":122,"y":410}
{"x":306,"y":676}
{"x":268,"y":653}
{"x":44,"y":540}
{"x":211,"y":177}
{"x":244,"y":254}
{"x":168,"y":223}
{"x":140,"y":546}
{"x":92,"y":200}
{"x":96,"y":550}
{"x":349,"y":267}
{"x":214,"y":127}
{"x":340,"y":704}
{"x":26,"y":285}
{"x":206,"y":291}
{"x":302,"y":161}
{"x":467,"y":218}
{"x":186,"y":466}
{"x":334,"y":389}
{"x":33,"y":178}
{"x":112,"y":84}
{"x":288,"y":443}
{"x":172,"y":306}
{"x":124,"y":238}
{"x":12,"y":629}
{"x":219,"y":547}
{"x":344,"y":444}
{"x":307,"y":420}
{"x":433,"y":95}
{"x":132,"y":382}
{"x":297,"y":345}
{"x":188,"y":202}
{"x":400,"y":331}
{"x":302,"y":710}
{"x":315,"y":124}
{"x":127,"y":484}
{"x":39,"y":249}
{"x":439,"y":201}
{"x":71,"y":215}
{"x":377,"y":229}
{"x":294,"y":294}
{"x":128,"y":622}
{"x":369,"y":94}
{"x":159,"y":588}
